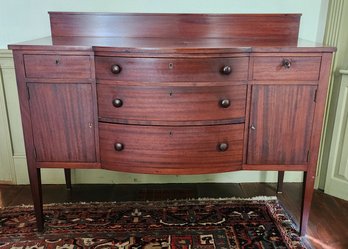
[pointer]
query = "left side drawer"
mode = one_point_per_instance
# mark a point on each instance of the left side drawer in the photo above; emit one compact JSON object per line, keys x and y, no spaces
{"x":57,"y":66}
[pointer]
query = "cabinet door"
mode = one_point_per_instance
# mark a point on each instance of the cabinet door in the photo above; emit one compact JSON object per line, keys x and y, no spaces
{"x":62,"y":120}
{"x":281,"y":118}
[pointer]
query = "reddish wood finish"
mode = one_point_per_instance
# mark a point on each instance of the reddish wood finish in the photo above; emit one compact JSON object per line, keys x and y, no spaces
{"x":161,"y":47}
{"x":62,"y":122}
{"x":171,"y":103}
{"x":170,"y":83}
{"x":309,"y":176}
{"x":280,"y":124}
{"x":170,"y":149}
{"x":171,"y":69}
{"x":273,"y":68}
{"x":187,"y":26}
{"x":67,"y":175}
{"x":280,"y":182}
{"x":69,"y":165}
{"x":34,"y":173}
{"x":276,"y":167}
{"x":57,"y":66}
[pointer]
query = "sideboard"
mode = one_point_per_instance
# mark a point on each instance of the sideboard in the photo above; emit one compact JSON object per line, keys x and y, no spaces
{"x":172,"y":94}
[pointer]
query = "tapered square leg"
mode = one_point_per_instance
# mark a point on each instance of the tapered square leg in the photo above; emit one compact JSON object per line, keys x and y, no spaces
{"x":67,"y":174}
{"x":308,"y":189}
{"x":280,"y":182}
{"x":36,"y":190}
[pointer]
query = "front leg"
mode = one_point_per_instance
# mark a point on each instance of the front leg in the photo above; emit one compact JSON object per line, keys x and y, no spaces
{"x":67,"y":174}
{"x":36,"y":190}
{"x":280,"y":182}
{"x":308,"y":189}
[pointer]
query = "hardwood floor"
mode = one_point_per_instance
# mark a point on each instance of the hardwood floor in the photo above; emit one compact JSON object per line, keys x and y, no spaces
{"x":328,"y":221}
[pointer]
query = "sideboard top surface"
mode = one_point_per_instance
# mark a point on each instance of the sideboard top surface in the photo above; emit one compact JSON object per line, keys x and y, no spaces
{"x":173,"y":33}
{"x":148,"y":45}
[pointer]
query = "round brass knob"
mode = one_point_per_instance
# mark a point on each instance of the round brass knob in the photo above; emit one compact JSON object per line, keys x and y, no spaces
{"x":226,"y":70}
{"x":225,"y":103}
{"x":117,"y":103}
{"x":286,"y":63}
{"x":116,"y":69}
{"x":119,"y":146}
{"x":223,"y":146}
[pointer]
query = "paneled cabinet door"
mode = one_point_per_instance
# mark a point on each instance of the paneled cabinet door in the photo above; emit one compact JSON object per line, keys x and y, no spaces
{"x":281,"y":118}
{"x":62,"y":121}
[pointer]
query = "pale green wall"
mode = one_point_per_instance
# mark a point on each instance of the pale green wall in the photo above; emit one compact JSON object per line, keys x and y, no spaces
{"x":24,"y":20}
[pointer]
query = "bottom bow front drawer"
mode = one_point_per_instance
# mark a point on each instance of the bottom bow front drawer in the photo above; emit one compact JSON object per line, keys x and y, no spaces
{"x":171,"y":150}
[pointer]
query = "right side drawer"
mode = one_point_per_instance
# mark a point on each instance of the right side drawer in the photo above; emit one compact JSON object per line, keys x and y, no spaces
{"x":305,"y":68}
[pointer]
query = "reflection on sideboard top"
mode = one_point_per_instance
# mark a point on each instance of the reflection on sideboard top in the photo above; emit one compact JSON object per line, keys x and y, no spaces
{"x":173,"y":33}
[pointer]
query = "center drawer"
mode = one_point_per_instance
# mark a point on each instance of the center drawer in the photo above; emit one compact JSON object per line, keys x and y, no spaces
{"x":171,"y":150}
{"x":134,"y":104}
{"x":171,"y":69}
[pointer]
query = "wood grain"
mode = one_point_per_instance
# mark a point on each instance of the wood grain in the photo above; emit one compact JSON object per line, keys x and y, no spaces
{"x":33,"y":172}
{"x":171,"y":84}
{"x":62,"y":119}
{"x":170,"y":149}
{"x":309,"y":177}
{"x":162,"y":47}
{"x":270,"y":26}
{"x":57,"y":66}
{"x":171,"y":69}
{"x":281,"y":120}
{"x":171,"y":103}
{"x":272,"y":68}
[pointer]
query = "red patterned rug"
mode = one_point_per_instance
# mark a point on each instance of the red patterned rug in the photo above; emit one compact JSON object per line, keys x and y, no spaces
{"x":185,"y":224}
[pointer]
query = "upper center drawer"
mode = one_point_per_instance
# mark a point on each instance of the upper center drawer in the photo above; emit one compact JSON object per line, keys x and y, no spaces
{"x":171,"y":69}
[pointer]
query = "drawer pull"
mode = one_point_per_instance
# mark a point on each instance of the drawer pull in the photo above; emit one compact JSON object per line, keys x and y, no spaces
{"x":116,"y":69}
{"x":119,"y":146}
{"x":286,"y":63}
{"x":225,"y":103}
{"x":226,"y":70}
{"x":223,"y":147}
{"x":117,"y":103}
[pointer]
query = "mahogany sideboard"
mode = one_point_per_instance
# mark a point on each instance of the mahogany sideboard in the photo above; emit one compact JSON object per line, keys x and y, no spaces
{"x":172,"y":94}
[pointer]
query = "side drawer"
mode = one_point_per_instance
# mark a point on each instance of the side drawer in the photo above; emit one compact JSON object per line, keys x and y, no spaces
{"x":127,"y":104}
{"x":171,"y":150}
{"x":286,"y":68}
{"x":57,"y":66}
{"x":171,"y":69}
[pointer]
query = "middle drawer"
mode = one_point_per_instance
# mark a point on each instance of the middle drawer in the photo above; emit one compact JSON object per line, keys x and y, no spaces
{"x":146,"y":104}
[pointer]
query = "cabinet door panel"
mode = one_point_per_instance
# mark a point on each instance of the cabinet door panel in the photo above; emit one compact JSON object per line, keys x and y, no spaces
{"x":280,"y":124}
{"x":62,"y":120}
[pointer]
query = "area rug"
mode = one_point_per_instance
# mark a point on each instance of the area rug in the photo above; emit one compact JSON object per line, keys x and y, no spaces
{"x":184,"y":224}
